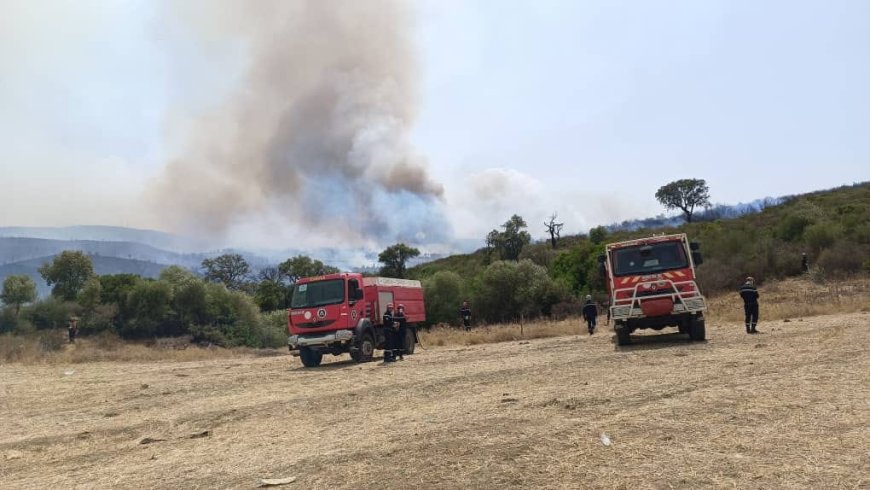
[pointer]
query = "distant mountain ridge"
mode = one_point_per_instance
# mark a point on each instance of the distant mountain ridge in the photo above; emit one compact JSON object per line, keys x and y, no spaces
{"x":153,"y":238}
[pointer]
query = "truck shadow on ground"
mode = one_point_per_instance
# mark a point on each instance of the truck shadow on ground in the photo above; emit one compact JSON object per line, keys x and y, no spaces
{"x":329,"y":366}
{"x":661,"y":341}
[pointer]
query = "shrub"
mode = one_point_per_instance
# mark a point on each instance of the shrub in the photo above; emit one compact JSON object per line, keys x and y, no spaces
{"x":443,"y":297}
{"x":843,"y":257}
{"x":791,"y":228}
{"x":820,"y":235}
{"x":51,"y":313}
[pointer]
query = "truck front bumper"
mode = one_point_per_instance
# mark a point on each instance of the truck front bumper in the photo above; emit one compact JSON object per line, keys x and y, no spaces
{"x":294,"y":342}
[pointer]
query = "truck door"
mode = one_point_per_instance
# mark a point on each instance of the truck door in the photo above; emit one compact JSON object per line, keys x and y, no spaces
{"x":356,"y":304}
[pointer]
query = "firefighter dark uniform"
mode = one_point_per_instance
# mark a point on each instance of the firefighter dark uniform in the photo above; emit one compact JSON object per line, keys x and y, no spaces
{"x":590,"y":313}
{"x":750,"y":304}
{"x":401,"y":332}
{"x":389,"y":335}
{"x":465,"y":315}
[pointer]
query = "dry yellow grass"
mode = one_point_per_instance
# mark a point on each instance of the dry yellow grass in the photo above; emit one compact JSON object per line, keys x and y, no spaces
{"x":789,"y":408}
{"x":52,"y":348}
{"x":442,"y":335}
{"x":797,"y":298}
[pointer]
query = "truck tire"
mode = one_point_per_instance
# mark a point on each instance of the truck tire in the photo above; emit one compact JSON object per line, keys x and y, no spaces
{"x":310,"y":358}
{"x":623,"y":335}
{"x":698,"y":330}
{"x":365,"y":348}
{"x":410,"y":341}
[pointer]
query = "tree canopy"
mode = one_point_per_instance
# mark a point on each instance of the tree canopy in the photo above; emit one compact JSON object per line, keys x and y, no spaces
{"x":18,"y":290}
{"x":684,"y":194}
{"x":301,"y":266}
{"x":231,"y":270}
{"x":509,"y":243}
{"x":394,"y":259}
{"x":67,"y":273}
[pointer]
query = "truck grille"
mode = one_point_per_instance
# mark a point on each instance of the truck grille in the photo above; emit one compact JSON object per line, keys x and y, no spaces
{"x":318,"y":324}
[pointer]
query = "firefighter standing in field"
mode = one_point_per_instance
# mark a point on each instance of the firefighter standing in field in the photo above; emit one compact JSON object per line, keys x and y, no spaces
{"x":73,"y":330}
{"x":465,"y":316}
{"x":590,"y":313}
{"x":389,"y":334}
{"x":401,"y":331}
{"x":750,"y":304}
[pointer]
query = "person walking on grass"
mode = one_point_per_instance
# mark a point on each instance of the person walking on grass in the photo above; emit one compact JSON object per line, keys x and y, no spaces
{"x":465,"y":316}
{"x":590,"y":313}
{"x":749,"y":293}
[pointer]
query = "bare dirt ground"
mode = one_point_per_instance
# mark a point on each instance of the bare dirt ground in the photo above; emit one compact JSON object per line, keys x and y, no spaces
{"x":788,"y":408}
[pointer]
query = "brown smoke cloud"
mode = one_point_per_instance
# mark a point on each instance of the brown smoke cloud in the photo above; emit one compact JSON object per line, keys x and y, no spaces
{"x":318,"y":130}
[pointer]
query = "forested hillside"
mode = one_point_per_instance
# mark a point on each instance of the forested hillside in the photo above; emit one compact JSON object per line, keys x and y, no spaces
{"x":832,"y":227}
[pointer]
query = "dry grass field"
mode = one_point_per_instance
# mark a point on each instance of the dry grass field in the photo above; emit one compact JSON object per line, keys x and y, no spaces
{"x":788,"y":408}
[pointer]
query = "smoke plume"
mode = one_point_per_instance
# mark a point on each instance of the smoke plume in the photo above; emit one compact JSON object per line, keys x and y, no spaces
{"x":316,"y":137}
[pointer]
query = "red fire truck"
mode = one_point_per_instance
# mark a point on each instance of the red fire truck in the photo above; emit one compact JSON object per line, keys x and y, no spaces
{"x":342,"y":313}
{"x":651,"y":284}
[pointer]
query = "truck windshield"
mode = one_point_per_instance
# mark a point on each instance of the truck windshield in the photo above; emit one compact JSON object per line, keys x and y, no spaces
{"x":319,"y":293}
{"x":649,"y":259}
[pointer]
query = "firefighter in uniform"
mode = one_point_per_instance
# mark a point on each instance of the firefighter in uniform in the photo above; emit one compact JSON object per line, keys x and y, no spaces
{"x":750,"y":304}
{"x":590,"y":313}
{"x":401,"y":331}
{"x":389,"y":334}
{"x":465,"y":316}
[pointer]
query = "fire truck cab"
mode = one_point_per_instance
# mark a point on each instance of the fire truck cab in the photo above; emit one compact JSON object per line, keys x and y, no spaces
{"x":651,"y":283}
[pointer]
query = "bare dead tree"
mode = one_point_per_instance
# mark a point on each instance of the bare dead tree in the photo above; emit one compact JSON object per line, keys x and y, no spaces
{"x":554,"y":229}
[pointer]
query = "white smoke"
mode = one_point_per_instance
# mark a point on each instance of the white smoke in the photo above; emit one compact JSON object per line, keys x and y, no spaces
{"x":315,"y":138}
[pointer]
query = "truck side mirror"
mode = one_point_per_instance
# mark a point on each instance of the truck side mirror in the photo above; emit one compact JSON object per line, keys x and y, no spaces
{"x":694,"y":246}
{"x":602,"y":259}
{"x":697,"y":258}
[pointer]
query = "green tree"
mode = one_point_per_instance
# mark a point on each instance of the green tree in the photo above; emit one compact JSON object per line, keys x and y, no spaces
{"x":229,"y":269}
{"x":510,"y":242}
{"x":577,"y":268}
{"x":149,"y":306}
{"x":68,"y":272}
{"x":394,"y":259}
{"x":443,"y":295}
{"x":684,"y":194}
{"x":18,"y":290}
{"x":598,"y":234}
{"x":270,"y":295}
{"x":116,"y":287}
{"x":301,"y":266}
{"x":508,"y":290}
{"x":89,"y":297}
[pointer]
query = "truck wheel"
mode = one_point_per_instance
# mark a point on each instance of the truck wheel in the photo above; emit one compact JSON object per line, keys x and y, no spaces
{"x":365,"y":349}
{"x":698,"y":330}
{"x":310,"y":358}
{"x":410,"y":341}
{"x":623,"y":335}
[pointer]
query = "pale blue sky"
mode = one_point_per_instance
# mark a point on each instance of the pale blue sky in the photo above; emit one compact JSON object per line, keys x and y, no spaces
{"x":584,"y":107}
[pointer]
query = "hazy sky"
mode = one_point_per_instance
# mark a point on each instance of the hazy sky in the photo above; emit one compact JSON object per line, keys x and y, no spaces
{"x":583,"y":108}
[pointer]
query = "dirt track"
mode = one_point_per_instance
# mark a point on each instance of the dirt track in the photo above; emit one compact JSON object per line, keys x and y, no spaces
{"x":786,"y":408}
